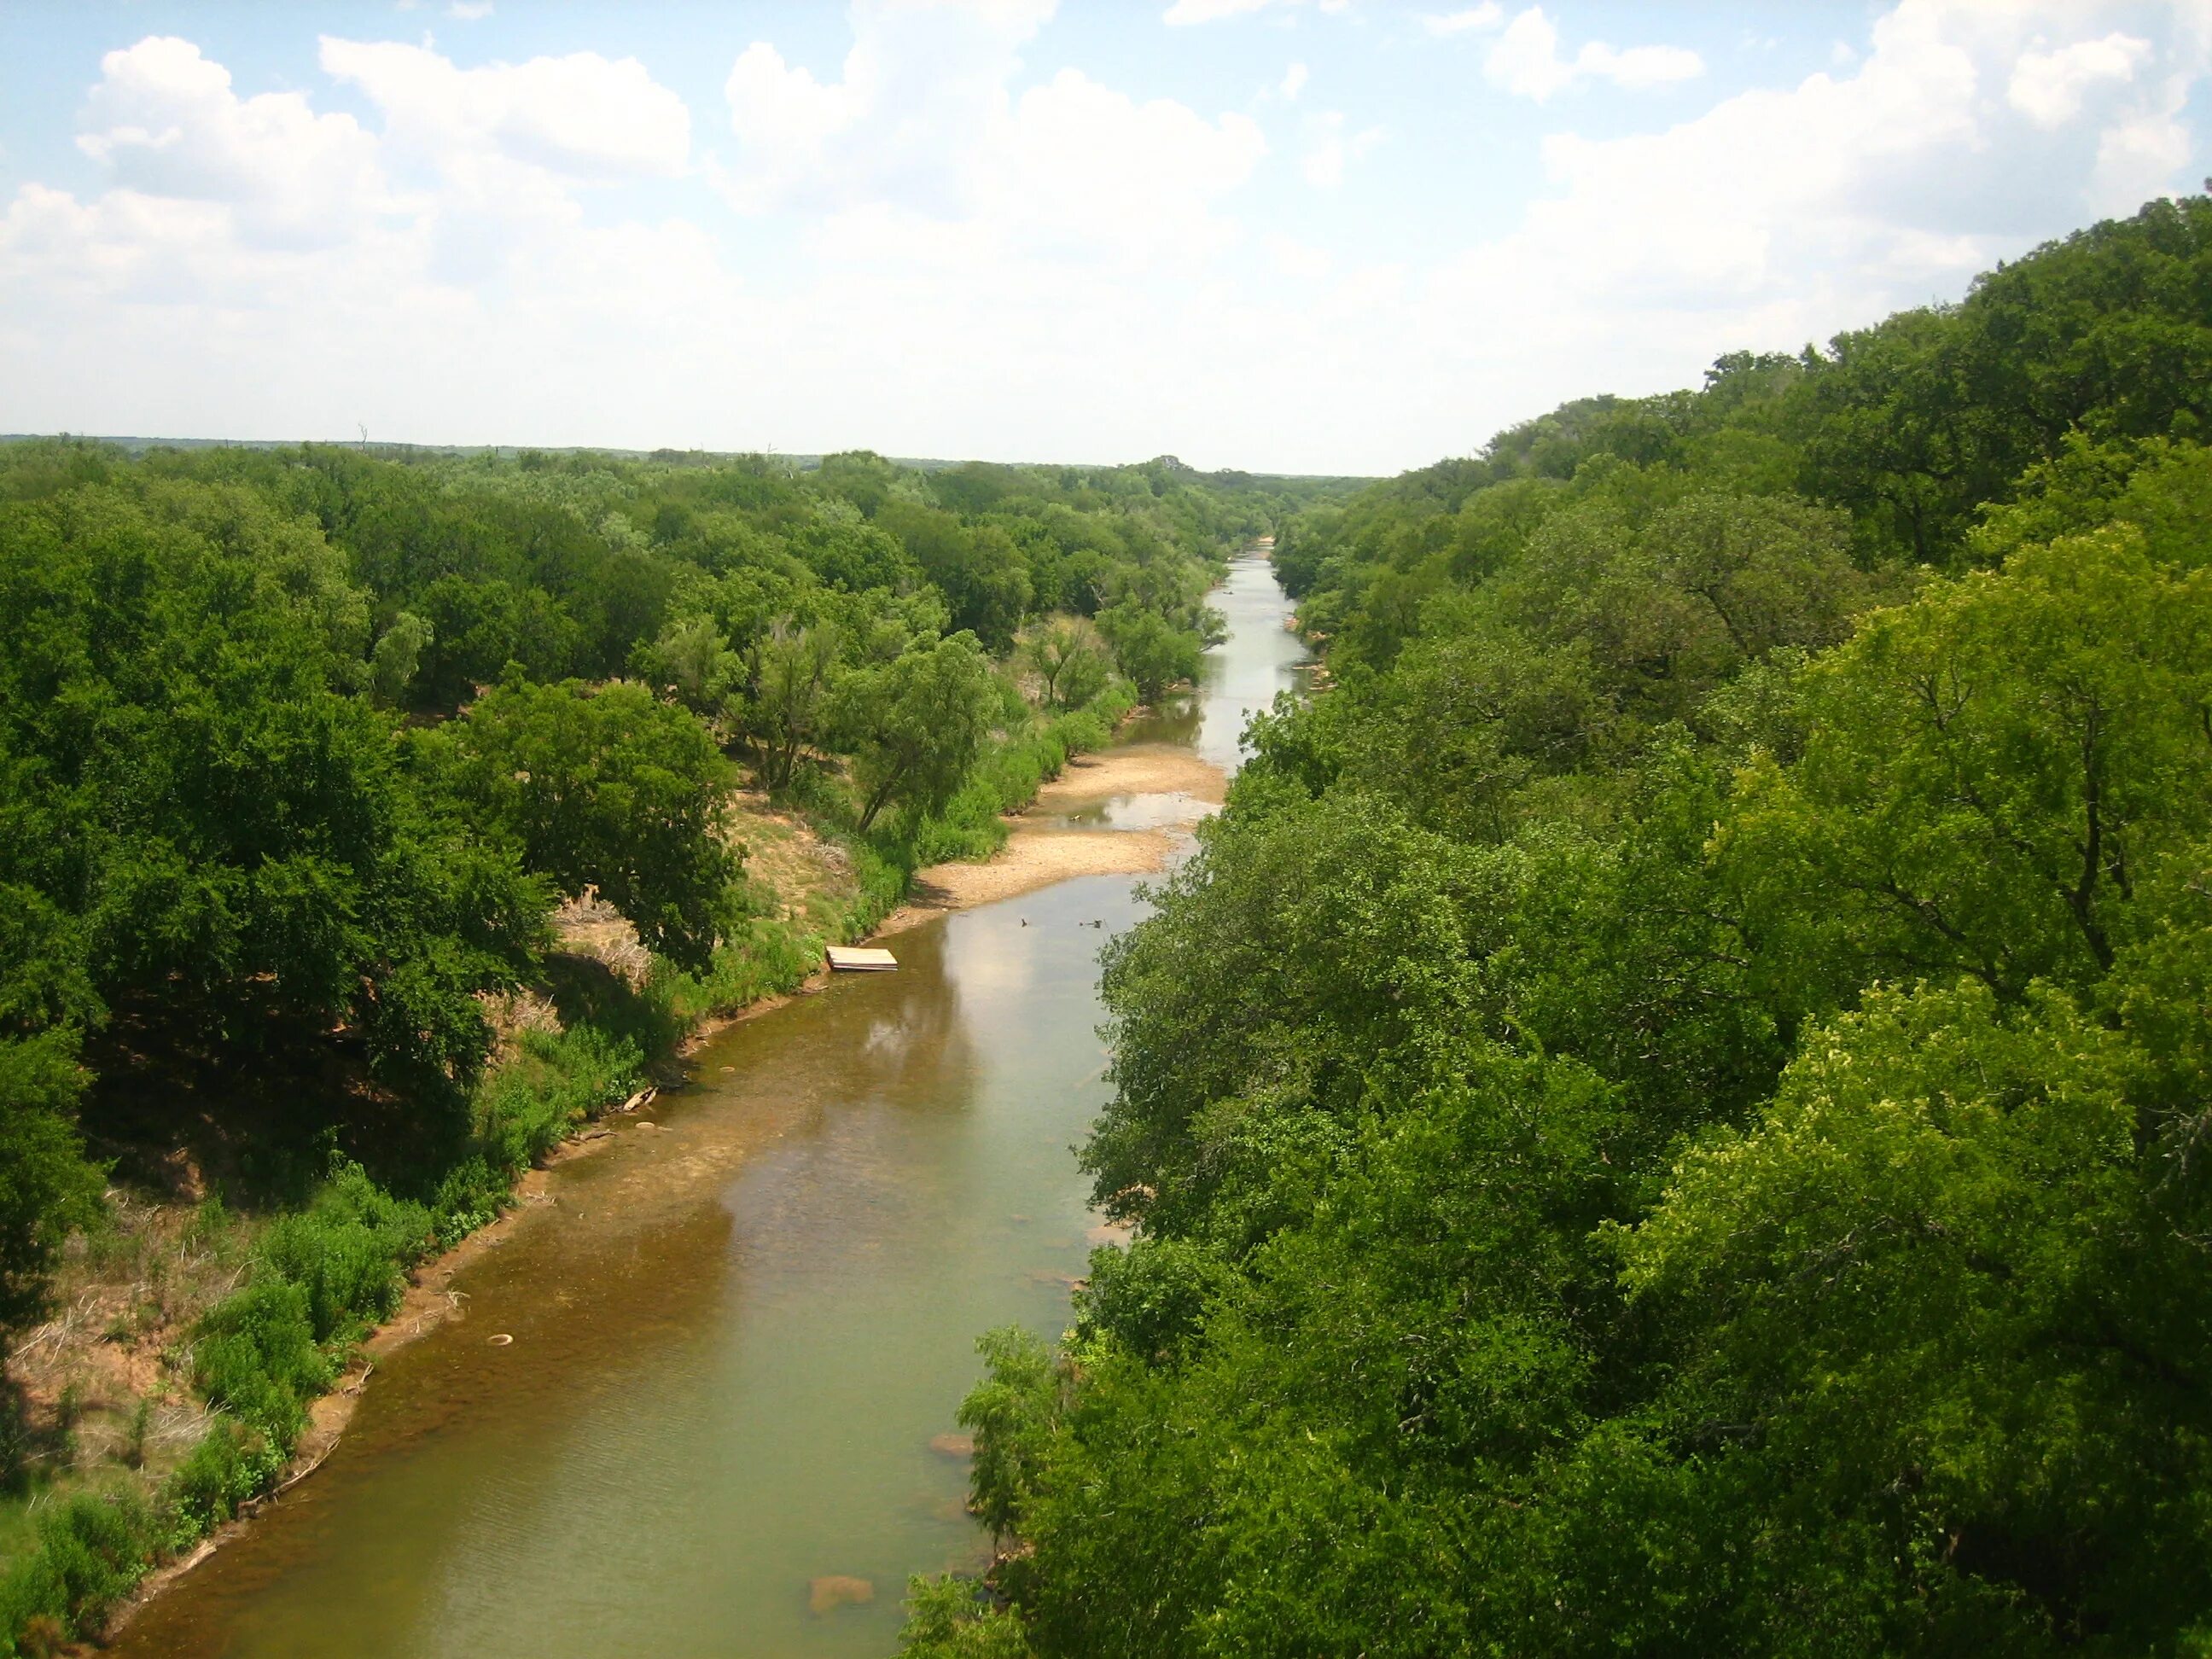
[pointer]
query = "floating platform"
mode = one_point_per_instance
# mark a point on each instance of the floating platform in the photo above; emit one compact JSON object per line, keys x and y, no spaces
{"x":856,"y":959}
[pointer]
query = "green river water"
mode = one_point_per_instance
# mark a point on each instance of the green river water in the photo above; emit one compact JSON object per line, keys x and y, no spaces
{"x":737,"y":1334}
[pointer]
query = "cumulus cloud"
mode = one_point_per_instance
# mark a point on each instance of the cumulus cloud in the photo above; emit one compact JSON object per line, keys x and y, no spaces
{"x":1330,"y":147}
{"x":583,"y":116}
{"x":1526,"y":61}
{"x":1781,"y":215}
{"x":1184,"y":13}
{"x":923,"y":117}
{"x":1294,"y":81}
{"x":2048,"y":86}
{"x":1487,"y":15}
{"x":167,"y":123}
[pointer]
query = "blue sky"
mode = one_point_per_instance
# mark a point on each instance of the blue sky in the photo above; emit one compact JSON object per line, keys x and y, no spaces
{"x":1321,"y":235}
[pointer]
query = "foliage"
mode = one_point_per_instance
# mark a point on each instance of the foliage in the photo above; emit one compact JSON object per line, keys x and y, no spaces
{"x":46,"y":1187}
{"x":298,"y":745}
{"x":611,"y":790}
{"x":1668,"y":1115}
{"x":916,"y":725}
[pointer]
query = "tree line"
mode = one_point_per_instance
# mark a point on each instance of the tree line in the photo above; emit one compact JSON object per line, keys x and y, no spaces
{"x":1667,"y":1116}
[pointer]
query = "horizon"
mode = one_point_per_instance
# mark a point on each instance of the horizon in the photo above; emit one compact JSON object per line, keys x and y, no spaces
{"x":803,"y":460}
{"x":1329,"y":240}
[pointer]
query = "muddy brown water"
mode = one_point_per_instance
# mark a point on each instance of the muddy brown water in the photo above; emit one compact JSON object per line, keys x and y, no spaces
{"x":737,"y":1334}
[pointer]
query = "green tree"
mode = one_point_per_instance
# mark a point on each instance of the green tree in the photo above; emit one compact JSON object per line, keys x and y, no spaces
{"x":692,"y":659}
{"x":789,"y":697}
{"x":1992,"y":774}
{"x":1152,"y":652}
{"x":915,"y":726}
{"x":398,"y":653}
{"x":46,"y":1187}
{"x":1069,"y":658}
{"x":609,"y":789}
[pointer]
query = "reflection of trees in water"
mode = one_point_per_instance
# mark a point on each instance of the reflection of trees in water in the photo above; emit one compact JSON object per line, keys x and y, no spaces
{"x":883,"y":1035}
{"x":1176,"y":721}
{"x":874,"y":1061}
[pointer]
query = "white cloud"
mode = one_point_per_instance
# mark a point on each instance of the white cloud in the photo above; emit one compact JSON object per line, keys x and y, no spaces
{"x":922,"y":120}
{"x":1294,"y":81}
{"x":1782,"y":215}
{"x":1328,"y":149}
{"x":1184,"y":13}
{"x":469,"y":11}
{"x":1487,"y":15}
{"x":2048,"y":86}
{"x":1301,"y":260}
{"x":166,"y":122}
{"x":582,"y":116}
{"x":1526,"y":61}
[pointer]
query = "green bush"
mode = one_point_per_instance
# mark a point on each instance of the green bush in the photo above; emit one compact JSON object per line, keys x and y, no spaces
{"x":955,"y":1618}
{"x":256,"y":1355}
{"x":232,"y":1463}
{"x":346,"y":1251}
{"x":559,"y":1079}
{"x":96,"y":1548}
{"x":761,"y":956}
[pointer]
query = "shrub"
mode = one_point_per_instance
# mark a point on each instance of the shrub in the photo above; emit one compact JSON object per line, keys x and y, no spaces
{"x":232,"y":1463}
{"x":258,"y":1355}
{"x":346,"y":1250}
{"x":955,"y":1618}
{"x":558,"y":1080}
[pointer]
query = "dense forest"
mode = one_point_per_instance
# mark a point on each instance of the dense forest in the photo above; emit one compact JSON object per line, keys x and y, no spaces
{"x":1668,"y":1113}
{"x":301,"y":750}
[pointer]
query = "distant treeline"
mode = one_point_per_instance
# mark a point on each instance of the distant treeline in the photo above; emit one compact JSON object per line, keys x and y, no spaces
{"x":1669,"y":1116}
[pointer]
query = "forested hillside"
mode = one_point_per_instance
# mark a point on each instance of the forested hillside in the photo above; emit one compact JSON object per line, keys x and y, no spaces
{"x":1667,"y":1116}
{"x":302,"y":749}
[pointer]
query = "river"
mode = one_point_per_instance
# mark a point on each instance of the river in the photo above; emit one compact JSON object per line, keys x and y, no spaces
{"x":736,"y":1334}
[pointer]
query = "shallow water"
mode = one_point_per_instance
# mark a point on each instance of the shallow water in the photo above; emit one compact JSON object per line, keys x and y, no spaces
{"x":736,"y":1334}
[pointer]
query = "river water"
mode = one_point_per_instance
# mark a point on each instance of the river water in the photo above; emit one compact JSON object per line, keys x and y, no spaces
{"x":736,"y":1334}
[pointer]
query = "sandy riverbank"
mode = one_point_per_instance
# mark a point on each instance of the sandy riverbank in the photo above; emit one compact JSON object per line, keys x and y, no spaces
{"x":1042,"y":850}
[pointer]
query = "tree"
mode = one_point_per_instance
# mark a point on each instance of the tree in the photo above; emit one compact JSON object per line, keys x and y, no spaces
{"x":213,"y":829}
{"x":692,"y":659}
{"x":1152,"y":651}
{"x":1934,"y":1282}
{"x":399,"y":652}
{"x":609,"y":789}
{"x":46,"y":1187}
{"x":916,"y":726}
{"x":983,"y":576}
{"x":789,"y":695}
{"x":1992,"y":774}
{"x":1069,"y":658}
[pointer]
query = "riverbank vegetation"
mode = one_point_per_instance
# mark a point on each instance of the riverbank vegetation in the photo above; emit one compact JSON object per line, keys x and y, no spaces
{"x":370,"y":821}
{"x":1668,"y":1115}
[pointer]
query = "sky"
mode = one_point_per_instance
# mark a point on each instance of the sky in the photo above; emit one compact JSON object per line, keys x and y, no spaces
{"x":1337,"y":236}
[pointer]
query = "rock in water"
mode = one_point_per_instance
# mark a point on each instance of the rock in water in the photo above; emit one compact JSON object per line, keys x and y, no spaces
{"x":953,"y":1445}
{"x":834,"y":1590}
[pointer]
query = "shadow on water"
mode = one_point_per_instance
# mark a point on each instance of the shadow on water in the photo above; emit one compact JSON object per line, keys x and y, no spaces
{"x":735,"y":1334}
